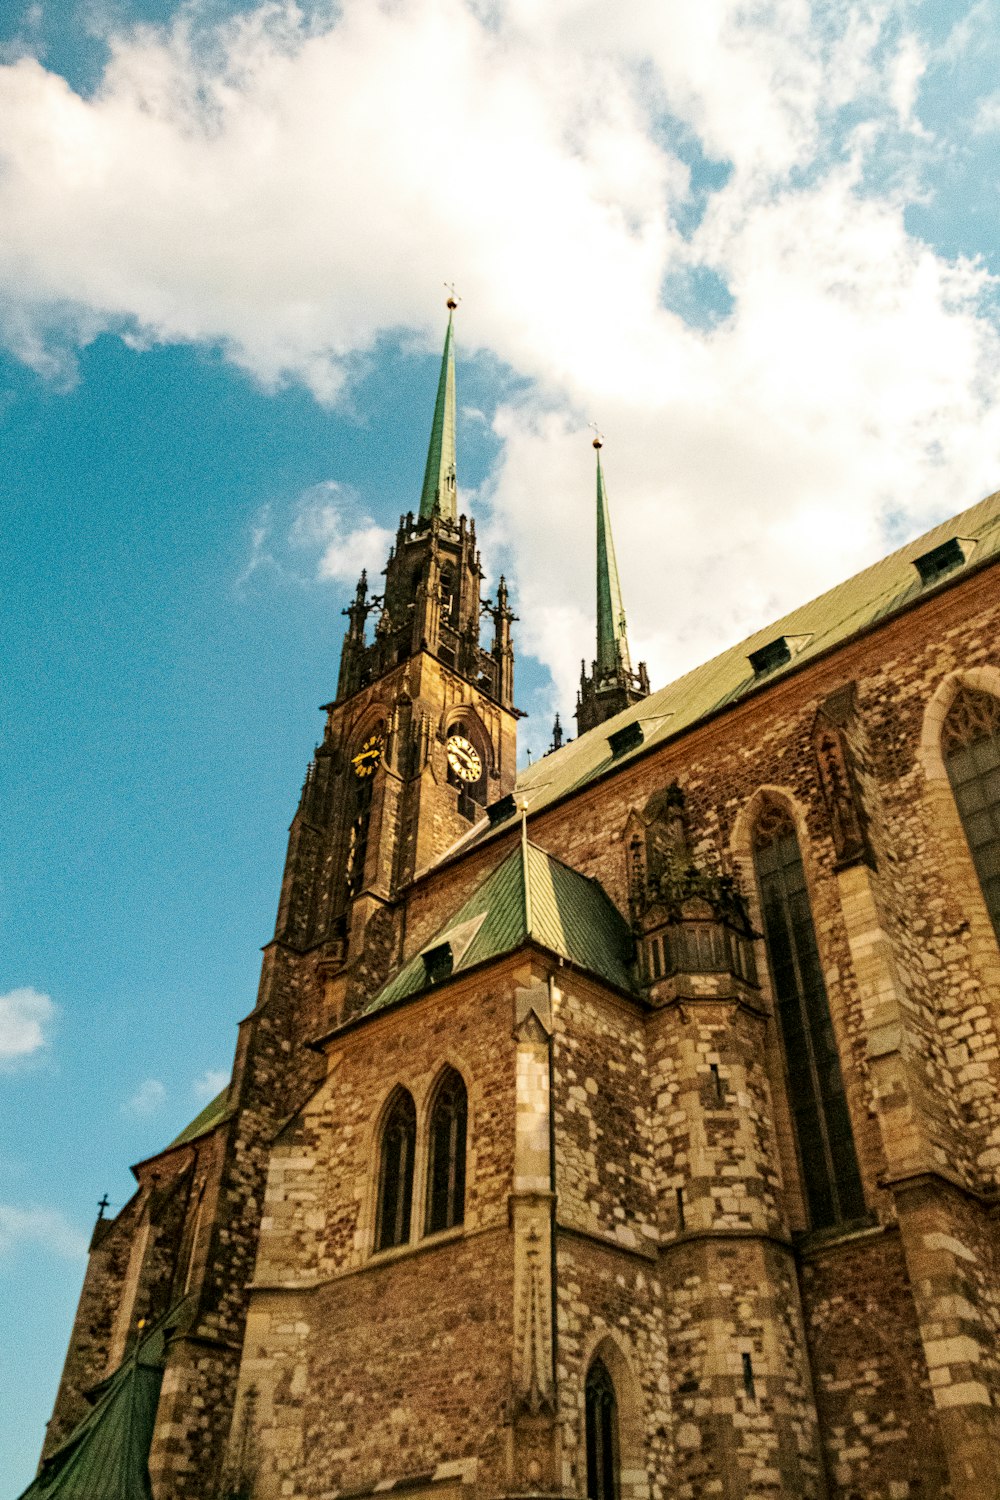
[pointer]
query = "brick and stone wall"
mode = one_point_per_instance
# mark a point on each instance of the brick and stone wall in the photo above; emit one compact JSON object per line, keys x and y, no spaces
{"x":752,"y":1356}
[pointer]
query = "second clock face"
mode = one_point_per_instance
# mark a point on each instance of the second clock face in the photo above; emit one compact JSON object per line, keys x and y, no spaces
{"x":368,"y":757}
{"x":463,"y":758}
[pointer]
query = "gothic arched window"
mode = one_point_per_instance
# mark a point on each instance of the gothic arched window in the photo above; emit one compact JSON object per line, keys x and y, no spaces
{"x":449,"y":598}
{"x":970,"y":744}
{"x":395,"y":1172}
{"x":822,"y":1123}
{"x":357,"y":837}
{"x":446,"y":1154}
{"x":602,"y":1434}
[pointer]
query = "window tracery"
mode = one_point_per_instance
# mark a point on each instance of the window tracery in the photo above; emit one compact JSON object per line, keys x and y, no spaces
{"x":357,"y":837}
{"x":446,"y":1154}
{"x":970,"y":744}
{"x":830,"y":1175}
{"x":395,"y":1181}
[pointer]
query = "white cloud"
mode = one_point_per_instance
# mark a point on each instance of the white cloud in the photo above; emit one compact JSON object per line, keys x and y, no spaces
{"x":906,"y":71}
{"x":26,"y":1018}
{"x":326,"y":520}
{"x":987,"y":116}
{"x":211,"y":1082}
{"x":44,"y":1228}
{"x":323,"y":535}
{"x":292,"y":189}
{"x":287,"y":186}
{"x":973,"y":33}
{"x":149,"y":1097}
{"x":24,"y":42}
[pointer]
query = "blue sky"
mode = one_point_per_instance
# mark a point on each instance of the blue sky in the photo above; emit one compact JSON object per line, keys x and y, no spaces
{"x":757,"y":244}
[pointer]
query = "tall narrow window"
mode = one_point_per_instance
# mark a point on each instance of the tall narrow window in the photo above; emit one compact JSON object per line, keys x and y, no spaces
{"x":970,"y":744}
{"x":446,"y":1165}
{"x":395,"y":1176}
{"x":602,"y":1434}
{"x":449,"y":600}
{"x":815,"y":1086}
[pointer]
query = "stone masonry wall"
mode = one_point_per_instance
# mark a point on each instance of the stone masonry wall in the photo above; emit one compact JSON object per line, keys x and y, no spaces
{"x":913,"y":983}
{"x":604,"y":1169}
{"x":913,"y":978}
{"x":87,"y":1357}
{"x":374,"y":1366}
{"x":609,"y":1304}
{"x":873,"y":1392}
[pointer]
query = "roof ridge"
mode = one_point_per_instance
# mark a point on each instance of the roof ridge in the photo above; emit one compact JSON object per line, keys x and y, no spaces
{"x":636,"y":710}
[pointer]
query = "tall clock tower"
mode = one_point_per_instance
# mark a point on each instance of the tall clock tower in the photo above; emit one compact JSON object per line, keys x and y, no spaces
{"x":421,"y":736}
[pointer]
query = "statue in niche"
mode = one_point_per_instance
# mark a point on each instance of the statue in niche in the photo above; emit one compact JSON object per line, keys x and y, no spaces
{"x":838,"y":778}
{"x":664,"y":882}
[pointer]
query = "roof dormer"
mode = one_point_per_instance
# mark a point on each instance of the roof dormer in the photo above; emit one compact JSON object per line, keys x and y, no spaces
{"x":776,"y":653}
{"x":943,"y":559}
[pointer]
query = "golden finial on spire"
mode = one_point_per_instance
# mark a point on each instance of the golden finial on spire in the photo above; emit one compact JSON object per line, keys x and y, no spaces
{"x":598,"y":435}
{"x":453,"y":298}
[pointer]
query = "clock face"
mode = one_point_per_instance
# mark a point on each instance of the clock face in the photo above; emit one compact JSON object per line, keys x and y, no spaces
{"x":464,"y":758}
{"x":369,"y":756}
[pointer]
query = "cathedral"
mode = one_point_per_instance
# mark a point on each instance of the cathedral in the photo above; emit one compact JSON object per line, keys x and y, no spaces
{"x":626,"y":1128}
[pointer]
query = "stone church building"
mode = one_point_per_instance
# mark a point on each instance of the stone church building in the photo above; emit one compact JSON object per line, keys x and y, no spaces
{"x":626,"y":1128}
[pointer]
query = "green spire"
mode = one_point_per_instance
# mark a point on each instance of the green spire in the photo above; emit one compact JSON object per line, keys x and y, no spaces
{"x":439,"y":477}
{"x":612,"y":642}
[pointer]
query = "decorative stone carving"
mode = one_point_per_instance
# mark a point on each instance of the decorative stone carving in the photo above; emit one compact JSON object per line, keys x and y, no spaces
{"x":838,"y":778}
{"x":662,"y":873}
{"x":533,"y":1375}
{"x":242,"y":1463}
{"x":687,"y":920}
{"x":531,"y":1206}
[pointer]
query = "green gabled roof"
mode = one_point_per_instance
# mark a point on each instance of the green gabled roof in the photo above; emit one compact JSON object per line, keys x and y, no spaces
{"x":106,"y":1456}
{"x":867,"y":599}
{"x":529,"y":897}
{"x":440,"y":481}
{"x":213,"y":1114}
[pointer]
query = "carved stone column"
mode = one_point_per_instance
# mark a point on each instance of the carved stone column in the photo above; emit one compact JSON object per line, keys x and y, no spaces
{"x":533,"y":1455}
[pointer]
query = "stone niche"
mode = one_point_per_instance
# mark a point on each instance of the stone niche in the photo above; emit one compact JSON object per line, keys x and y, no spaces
{"x":693,"y":932}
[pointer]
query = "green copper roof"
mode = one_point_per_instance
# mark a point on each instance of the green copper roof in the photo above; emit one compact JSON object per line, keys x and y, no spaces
{"x":439,"y":477}
{"x":530,"y":896}
{"x":106,"y":1455}
{"x":213,"y":1114}
{"x":612,"y":642}
{"x":831,"y":620}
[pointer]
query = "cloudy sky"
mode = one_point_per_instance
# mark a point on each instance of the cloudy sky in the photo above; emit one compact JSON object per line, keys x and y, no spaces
{"x":755,"y":242}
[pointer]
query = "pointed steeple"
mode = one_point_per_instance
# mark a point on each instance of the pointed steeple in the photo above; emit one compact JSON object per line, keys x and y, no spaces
{"x":612,"y":685}
{"x":612,"y":640}
{"x":432,"y":601}
{"x":439,"y":477}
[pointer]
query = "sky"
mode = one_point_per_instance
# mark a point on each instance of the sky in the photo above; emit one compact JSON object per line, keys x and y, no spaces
{"x":755,"y":241}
